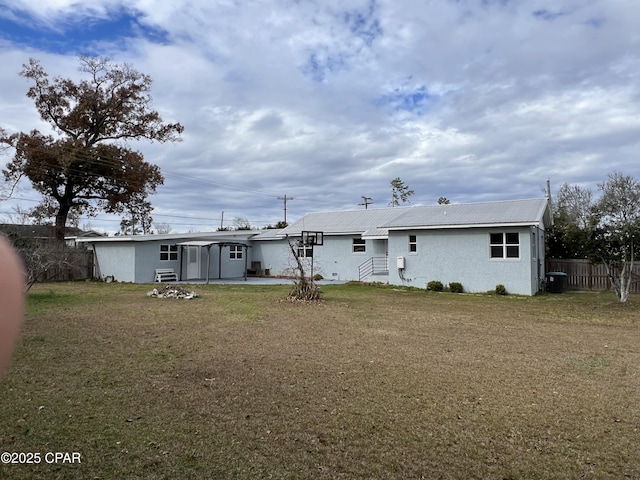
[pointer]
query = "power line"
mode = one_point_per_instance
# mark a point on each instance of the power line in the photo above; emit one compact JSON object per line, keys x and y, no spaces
{"x":112,"y":162}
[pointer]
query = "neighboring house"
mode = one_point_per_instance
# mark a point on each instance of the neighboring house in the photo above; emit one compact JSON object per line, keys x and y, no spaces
{"x":479,"y":245}
{"x":23,"y":235}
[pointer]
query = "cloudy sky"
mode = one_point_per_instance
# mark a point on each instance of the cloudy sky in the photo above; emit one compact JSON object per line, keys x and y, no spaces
{"x":326,"y":101}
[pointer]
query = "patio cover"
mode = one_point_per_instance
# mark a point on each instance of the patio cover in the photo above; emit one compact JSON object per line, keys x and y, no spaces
{"x":209,"y":244}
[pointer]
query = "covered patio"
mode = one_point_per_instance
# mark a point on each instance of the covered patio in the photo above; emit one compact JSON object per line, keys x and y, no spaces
{"x":208,"y":244}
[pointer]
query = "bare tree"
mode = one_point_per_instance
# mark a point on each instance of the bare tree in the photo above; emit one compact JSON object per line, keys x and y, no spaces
{"x":616,"y":235}
{"x":162,"y":228}
{"x":304,"y":287}
{"x":241,"y":223}
{"x":46,"y":258}
{"x":573,"y":206}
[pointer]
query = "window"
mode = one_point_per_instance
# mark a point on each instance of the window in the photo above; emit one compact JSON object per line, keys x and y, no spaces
{"x":305,"y":251}
{"x":413,"y":243}
{"x":359,"y":245}
{"x":168,"y":252}
{"x":505,"y":245}
{"x":235,"y":252}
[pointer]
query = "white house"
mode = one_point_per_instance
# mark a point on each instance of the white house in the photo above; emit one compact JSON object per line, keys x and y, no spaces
{"x":479,"y":245}
{"x":192,"y":256}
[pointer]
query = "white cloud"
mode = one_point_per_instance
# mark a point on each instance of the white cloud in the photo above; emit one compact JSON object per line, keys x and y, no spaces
{"x":328,"y":101}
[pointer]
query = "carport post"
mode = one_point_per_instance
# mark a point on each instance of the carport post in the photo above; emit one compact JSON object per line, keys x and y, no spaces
{"x":208,"y":261}
{"x":246,"y":250}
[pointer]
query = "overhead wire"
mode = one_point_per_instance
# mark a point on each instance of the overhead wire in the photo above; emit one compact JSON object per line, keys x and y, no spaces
{"x":112,"y":162}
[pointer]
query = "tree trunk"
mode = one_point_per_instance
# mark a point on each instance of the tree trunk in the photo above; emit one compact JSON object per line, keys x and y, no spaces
{"x":61,"y":221}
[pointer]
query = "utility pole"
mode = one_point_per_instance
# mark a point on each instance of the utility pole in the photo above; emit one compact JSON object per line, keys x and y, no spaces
{"x":366,"y":201}
{"x":285,"y":198}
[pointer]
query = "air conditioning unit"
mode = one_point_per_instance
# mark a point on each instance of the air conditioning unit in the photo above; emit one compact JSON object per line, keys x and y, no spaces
{"x":401,"y":263}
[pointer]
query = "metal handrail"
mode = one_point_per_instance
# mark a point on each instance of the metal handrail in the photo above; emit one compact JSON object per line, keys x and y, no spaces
{"x":373,"y":265}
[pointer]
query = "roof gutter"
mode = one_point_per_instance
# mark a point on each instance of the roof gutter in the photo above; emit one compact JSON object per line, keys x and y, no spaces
{"x":467,"y":225}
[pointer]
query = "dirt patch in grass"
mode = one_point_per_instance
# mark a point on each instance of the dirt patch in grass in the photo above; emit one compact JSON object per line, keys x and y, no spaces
{"x":371,"y":383}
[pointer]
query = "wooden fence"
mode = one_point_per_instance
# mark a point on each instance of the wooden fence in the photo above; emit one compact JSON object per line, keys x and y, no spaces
{"x":77,"y":264}
{"x":581,"y":275}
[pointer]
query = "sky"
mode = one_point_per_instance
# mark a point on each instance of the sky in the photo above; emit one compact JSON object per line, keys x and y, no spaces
{"x":327,"y":101}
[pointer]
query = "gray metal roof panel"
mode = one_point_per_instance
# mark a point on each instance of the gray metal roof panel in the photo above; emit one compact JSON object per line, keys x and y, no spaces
{"x":508,"y":212}
{"x":377,"y":222}
{"x":345,"y":222}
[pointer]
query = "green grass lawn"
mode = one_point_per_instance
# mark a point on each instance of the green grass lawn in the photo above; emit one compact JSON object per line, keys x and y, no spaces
{"x":372,"y":383}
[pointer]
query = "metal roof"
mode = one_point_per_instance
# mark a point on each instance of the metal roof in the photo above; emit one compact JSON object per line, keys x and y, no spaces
{"x":376,"y":223}
{"x":268,"y":234}
{"x":230,"y":236}
{"x":504,"y":213}
{"x":345,"y":222}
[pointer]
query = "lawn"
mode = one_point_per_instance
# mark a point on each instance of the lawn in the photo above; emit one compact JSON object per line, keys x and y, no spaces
{"x":372,"y":383}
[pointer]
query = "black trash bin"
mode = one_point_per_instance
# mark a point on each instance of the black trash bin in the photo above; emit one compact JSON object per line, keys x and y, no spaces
{"x":555,"y":282}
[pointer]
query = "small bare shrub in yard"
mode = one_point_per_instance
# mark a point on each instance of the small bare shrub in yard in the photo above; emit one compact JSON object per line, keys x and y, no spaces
{"x":455,"y":287}
{"x":304,"y":288}
{"x":435,"y":286}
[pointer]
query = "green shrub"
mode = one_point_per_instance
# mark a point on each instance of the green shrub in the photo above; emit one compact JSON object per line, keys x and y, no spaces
{"x":317,"y":277}
{"x":435,"y":286}
{"x":455,"y":287}
{"x":500,"y":290}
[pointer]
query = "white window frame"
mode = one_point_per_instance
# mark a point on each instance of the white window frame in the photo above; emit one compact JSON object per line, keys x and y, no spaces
{"x":236,"y":252}
{"x":170,"y":250}
{"x":505,"y":244}
{"x":413,"y":244}
{"x":359,"y":245}
{"x":305,"y":251}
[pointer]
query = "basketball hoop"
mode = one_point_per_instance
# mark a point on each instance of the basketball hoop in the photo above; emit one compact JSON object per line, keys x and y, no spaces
{"x":312,"y":238}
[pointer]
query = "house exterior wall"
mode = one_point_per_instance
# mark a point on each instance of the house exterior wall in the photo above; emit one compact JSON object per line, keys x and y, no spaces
{"x":148,"y":259}
{"x":449,"y":255}
{"x":538,"y":273}
{"x":462,"y":255}
{"x":273,"y":254}
{"x":224,"y":266}
{"x":117,"y":260}
{"x":334,"y":260}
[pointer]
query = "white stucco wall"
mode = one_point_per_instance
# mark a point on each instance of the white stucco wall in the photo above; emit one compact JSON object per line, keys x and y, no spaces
{"x":273,"y":254}
{"x":334,"y":260}
{"x":148,"y":259}
{"x":461,"y":255}
{"x":117,"y":260}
